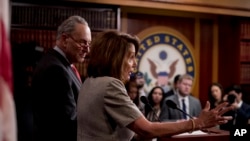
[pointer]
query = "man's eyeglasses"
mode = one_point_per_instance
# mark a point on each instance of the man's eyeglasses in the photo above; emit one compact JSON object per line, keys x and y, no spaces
{"x":82,"y":43}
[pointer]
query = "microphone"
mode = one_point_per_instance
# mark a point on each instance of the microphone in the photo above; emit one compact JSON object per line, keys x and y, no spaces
{"x":145,"y":101}
{"x":173,"y":105}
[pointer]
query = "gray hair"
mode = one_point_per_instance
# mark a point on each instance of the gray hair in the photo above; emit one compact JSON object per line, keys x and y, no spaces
{"x":68,"y":25}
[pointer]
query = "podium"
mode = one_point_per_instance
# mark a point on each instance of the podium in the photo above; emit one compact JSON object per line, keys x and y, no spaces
{"x":213,"y":134}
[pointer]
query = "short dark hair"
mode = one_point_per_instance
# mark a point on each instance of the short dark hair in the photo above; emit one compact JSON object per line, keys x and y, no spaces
{"x":236,"y":88}
{"x":176,"y":78}
{"x":107,"y":53}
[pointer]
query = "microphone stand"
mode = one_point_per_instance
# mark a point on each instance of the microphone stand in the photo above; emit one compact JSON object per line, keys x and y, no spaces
{"x":184,"y":113}
{"x":173,"y":105}
{"x":145,"y":101}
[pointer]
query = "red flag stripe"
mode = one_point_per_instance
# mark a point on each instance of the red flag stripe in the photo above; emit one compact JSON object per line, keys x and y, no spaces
{"x":5,"y":57}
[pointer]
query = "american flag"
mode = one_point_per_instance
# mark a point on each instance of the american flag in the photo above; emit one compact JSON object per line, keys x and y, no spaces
{"x":7,"y":109}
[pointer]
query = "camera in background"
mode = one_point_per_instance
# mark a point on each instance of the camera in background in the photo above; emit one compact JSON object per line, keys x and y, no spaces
{"x":231,"y":98}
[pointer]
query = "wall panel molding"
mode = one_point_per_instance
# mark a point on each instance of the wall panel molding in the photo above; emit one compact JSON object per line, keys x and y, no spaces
{"x":221,"y":7}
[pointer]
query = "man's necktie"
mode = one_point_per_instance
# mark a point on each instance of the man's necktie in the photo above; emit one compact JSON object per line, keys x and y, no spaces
{"x":184,"y":109}
{"x":76,"y":72}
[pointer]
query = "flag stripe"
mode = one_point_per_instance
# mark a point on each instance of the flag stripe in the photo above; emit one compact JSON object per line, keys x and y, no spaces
{"x":5,"y":57}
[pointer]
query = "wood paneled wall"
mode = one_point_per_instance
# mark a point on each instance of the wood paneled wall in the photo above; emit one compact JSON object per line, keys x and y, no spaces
{"x":206,"y":58}
{"x":229,"y":72}
{"x":138,"y":22}
{"x":225,"y":7}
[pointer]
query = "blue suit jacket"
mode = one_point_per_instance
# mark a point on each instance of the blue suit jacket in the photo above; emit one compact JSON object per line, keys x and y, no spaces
{"x":169,"y":114}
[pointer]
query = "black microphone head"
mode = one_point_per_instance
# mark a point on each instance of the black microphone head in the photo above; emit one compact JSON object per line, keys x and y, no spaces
{"x":171,"y":104}
{"x":144,"y":100}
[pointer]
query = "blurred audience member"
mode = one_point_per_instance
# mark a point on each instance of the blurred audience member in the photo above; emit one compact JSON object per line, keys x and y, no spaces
{"x":241,"y":110}
{"x":215,"y":94}
{"x":133,"y":92}
{"x":188,"y":103}
{"x":174,"y":87}
{"x":155,"y":99}
{"x":140,"y":81}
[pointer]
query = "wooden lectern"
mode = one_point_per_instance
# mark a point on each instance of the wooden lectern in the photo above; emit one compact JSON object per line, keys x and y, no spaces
{"x":214,"y":134}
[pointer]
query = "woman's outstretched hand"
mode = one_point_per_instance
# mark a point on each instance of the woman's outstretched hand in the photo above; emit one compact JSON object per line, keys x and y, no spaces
{"x":210,"y":118}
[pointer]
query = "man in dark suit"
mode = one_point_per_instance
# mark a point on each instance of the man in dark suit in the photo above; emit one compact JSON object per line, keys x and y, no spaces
{"x":240,"y":112}
{"x":184,"y":101}
{"x":174,"y":88}
{"x":55,"y":84}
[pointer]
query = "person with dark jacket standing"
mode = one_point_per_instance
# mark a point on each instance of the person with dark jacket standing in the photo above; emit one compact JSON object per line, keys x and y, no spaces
{"x":56,"y":83}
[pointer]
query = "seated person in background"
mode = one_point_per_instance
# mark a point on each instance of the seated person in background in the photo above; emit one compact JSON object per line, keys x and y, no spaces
{"x":215,"y":94}
{"x":133,"y":91}
{"x":241,"y":110}
{"x":155,"y":99}
{"x":174,"y":88}
{"x":184,"y":101}
{"x":140,"y":81}
{"x":153,"y":108}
